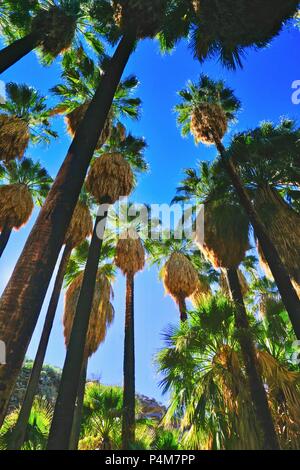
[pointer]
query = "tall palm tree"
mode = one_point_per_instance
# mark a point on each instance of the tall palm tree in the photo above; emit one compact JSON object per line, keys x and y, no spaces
{"x":130,"y":258}
{"x":109,"y":179}
{"x":50,"y":26}
{"x":206,"y":110}
{"x":80,"y":228}
{"x":22,"y":185}
{"x":225,"y":242}
{"x":81,"y":78}
{"x":102,"y":316}
{"x":203,"y":369}
{"x":267,"y":160}
{"x":24,"y":118}
{"x":180,"y":277}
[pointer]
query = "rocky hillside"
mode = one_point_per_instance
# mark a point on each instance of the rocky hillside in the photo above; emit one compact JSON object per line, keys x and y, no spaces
{"x":48,"y":388}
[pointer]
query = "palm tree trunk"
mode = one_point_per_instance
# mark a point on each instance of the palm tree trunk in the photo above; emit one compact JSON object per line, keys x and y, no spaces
{"x":128,"y":421}
{"x":17,"y":50}
{"x":288,"y":293}
{"x":76,"y":427}
{"x":21,"y":425}
{"x":23,"y":297}
{"x":182,"y":309}
{"x":61,"y":428}
{"x":257,"y":390}
{"x":4,"y":238}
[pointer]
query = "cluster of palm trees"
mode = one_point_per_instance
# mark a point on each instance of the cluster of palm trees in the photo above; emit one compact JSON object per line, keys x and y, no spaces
{"x":250,"y":194}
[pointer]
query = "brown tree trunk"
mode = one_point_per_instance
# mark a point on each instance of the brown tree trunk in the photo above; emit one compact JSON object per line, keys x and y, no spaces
{"x":288,"y":293}
{"x":257,"y":390}
{"x":76,"y":427}
{"x":23,"y":297}
{"x":61,"y":428}
{"x":17,"y":50}
{"x":4,"y":238}
{"x":128,"y":421}
{"x":19,"y":432}
{"x":182,"y":310}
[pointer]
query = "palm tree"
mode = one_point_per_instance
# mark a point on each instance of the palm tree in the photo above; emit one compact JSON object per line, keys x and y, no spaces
{"x":22,"y":184}
{"x":37,"y":427}
{"x":102,"y":419}
{"x":226,"y":29}
{"x":102,"y":413}
{"x":80,"y":228}
{"x":109,"y":179}
{"x":81,"y":79}
{"x":130,"y":258}
{"x":206,"y":110}
{"x":102,"y":316}
{"x":203,"y":370}
{"x":180,"y":277}
{"x":24,"y":118}
{"x":50,"y":26}
{"x":267,"y":160}
{"x":225,"y":242}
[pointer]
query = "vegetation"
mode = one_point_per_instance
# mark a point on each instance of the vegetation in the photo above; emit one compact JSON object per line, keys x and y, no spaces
{"x":226,"y":365}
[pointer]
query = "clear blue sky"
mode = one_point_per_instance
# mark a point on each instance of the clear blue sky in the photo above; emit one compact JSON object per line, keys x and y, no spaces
{"x":264,"y":87}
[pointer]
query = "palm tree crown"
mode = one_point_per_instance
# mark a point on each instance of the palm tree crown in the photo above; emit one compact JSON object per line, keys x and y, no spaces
{"x":24,"y":117}
{"x":206,"y":109}
{"x":22,"y":184}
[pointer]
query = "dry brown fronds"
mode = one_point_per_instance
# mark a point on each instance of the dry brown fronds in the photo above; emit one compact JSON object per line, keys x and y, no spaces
{"x":130,"y":253}
{"x":224,"y":284}
{"x":102,"y":314}
{"x":180,"y":278}
{"x":201,"y":293}
{"x":283,"y":225}
{"x":110,"y":178}
{"x":16,"y":205}
{"x":224,"y":247}
{"x":284,"y":398}
{"x":14,"y":137}
{"x":208,"y":121}
{"x":74,"y":119}
{"x":81,"y":226}
{"x":57,"y":30}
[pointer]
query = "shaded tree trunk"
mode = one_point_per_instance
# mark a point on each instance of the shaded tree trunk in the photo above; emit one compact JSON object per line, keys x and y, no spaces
{"x":257,"y":390}
{"x":4,"y":238}
{"x":17,"y":50}
{"x":76,"y":427}
{"x":61,"y":428}
{"x":182,"y":310}
{"x":288,"y":293}
{"x":23,"y":297}
{"x":19,"y":432}
{"x":128,"y":420}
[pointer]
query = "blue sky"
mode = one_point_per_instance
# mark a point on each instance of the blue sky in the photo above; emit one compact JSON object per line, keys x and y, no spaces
{"x":265,"y":88}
